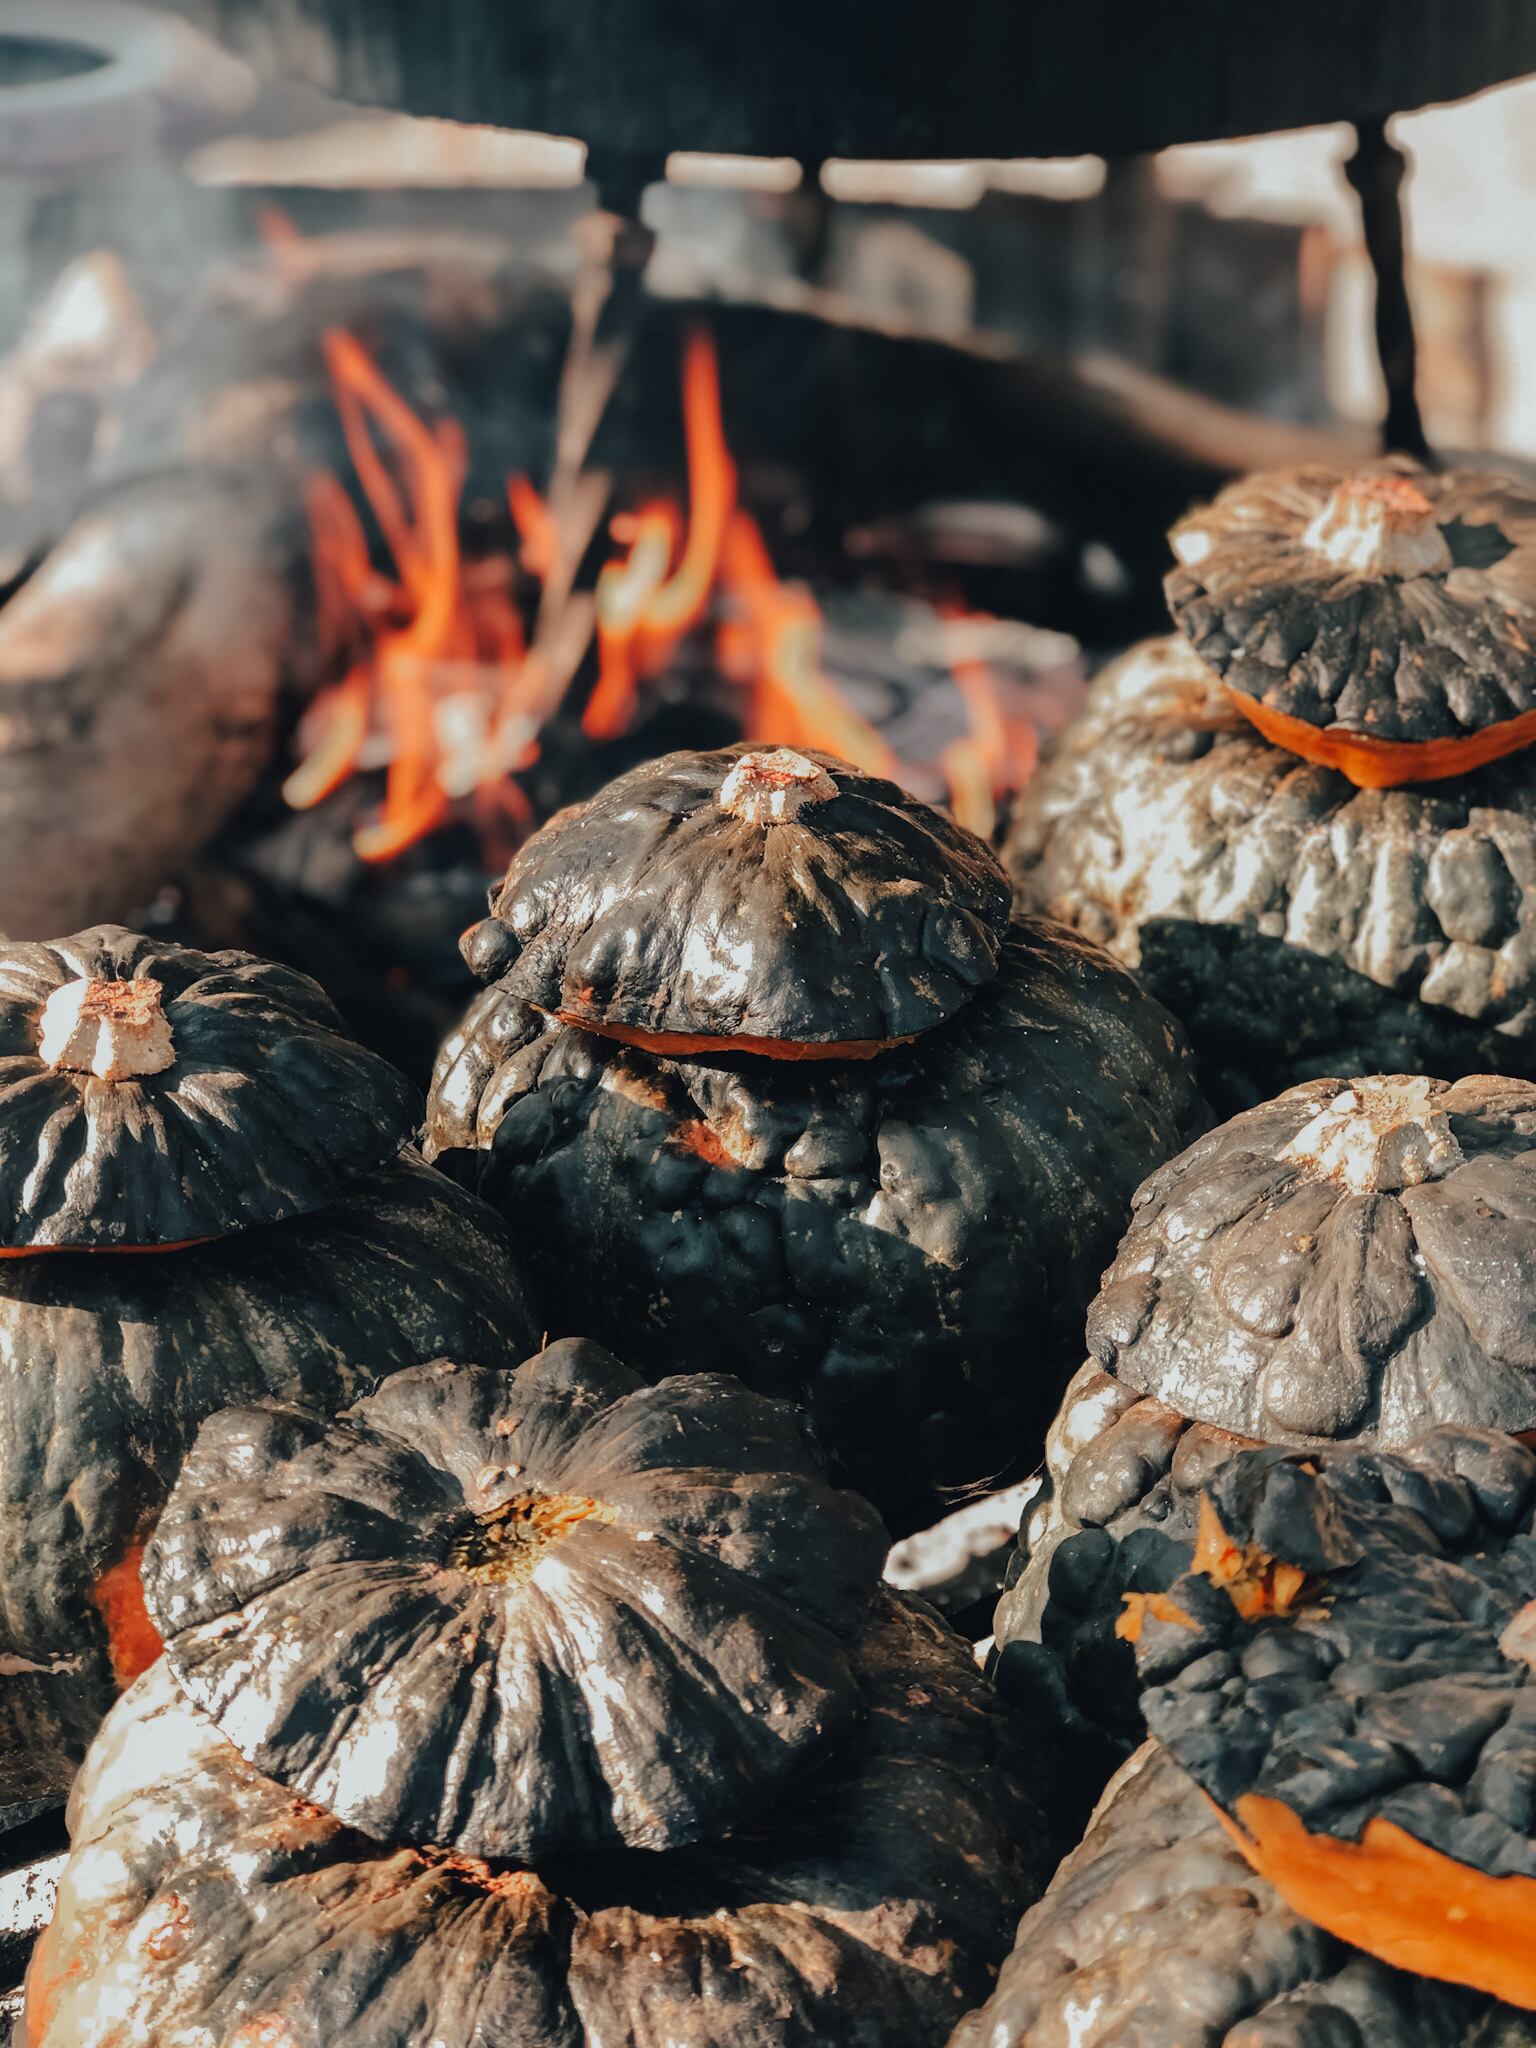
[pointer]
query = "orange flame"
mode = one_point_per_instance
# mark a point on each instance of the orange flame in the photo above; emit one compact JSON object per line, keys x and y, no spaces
{"x":996,"y":754}
{"x":642,"y":611}
{"x":778,"y":640}
{"x":440,"y":683}
{"x":437,"y":629}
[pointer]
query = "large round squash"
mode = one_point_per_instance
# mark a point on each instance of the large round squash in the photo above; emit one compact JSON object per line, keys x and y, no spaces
{"x":109,"y":1364}
{"x":204,"y":1903}
{"x":904,"y":1243}
{"x":520,"y":1614}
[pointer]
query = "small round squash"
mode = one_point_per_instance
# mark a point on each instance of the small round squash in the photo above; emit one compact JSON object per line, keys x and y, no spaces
{"x":1296,"y":925}
{"x":109,"y":1365}
{"x":1349,"y":1671}
{"x":774,"y":902}
{"x":870,"y":1906}
{"x":520,"y":1615}
{"x":1381,"y":621}
{"x":1155,"y":1933}
{"x":152,"y":1096}
{"x":904,"y":1244}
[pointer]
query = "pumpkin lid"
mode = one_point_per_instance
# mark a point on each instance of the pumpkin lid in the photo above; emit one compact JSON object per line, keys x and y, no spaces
{"x":516,"y":1614}
{"x":1349,"y":1671}
{"x":152,"y":1096}
{"x":1380,"y":620}
{"x":771,"y":901}
{"x":1352,"y":1259}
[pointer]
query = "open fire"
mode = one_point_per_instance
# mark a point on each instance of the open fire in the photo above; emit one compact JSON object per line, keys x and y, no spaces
{"x":440,"y":683}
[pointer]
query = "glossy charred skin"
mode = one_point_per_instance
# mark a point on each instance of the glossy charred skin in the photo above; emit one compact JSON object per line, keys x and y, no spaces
{"x":1350,"y":1673}
{"x":1117,"y":1512}
{"x":1156,"y":1934}
{"x":576,"y":1610}
{"x":870,"y":1907}
{"x":109,"y":1365}
{"x":1390,"y":602}
{"x":904,"y":1244}
{"x":241,"y":1100}
{"x":1352,"y":1260}
{"x":728,"y":896}
{"x":1305,"y":1272}
{"x":1296,"y":925}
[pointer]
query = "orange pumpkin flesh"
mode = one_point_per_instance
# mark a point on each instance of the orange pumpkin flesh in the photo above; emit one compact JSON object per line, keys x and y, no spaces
{"x":1371,"y":763}
{"x":1391,"y":1896}
{"x":41,"y":1251}
{"x":767,"y":1048}
{"x":133,"y":1642}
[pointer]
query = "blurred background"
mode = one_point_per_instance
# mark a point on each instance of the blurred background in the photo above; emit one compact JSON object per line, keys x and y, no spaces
{"x":412,"y":415}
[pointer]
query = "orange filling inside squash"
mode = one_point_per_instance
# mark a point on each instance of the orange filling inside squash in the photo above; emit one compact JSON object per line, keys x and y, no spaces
{"x":767,"y":1048}
{"x":1372,"y":763}
{"x":1391,"y":1896}
{"x":1139,"y":1607}
{"x":41,"y":1251}
{"x":133,"y":1642}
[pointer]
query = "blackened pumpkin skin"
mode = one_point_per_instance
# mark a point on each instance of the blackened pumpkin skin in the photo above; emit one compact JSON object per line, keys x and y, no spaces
{"x":109,"y":1365}
{"x":575,"y":1610}
{"x":1437,"y":645}
{"x":869,"y":1908}
{"x":1297,"y":926}
{"x":1116,"y":1513}
{"x":859,"y":917}
{"x":1156,"y":1934}
{"x":266,"y":1110}
{"x":1353,"y":1665}
{"x":905,"y":1244}
{"x":1270,"y":1300}
{"x":1311,"y":1270}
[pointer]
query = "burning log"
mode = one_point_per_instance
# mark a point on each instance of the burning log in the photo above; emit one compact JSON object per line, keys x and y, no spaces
{"x":140,"y":673}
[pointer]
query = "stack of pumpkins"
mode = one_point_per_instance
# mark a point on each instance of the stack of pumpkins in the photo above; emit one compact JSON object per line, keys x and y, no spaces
{"x":1332,"y":1838}
{"x":203,"y":1198}
{"x":547,"y":1708}
{"x":1308,"y":822}
{"x":765,"y":1078}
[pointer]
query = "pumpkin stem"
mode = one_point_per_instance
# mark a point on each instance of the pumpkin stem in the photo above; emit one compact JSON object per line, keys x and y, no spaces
{"x":1378,"y":1135}
{"x":508,"y":1542}
{"x":115,"y":1030}
{"x":1380,"y":526}
{"x":770,"y":787}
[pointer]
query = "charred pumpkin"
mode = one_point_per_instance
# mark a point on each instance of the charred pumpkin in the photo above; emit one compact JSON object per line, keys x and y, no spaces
{"x":775,"y":902}
{"x":152,"y":1096}
{"x":109,"y":1365}
{"x":904,"y":1243}
{"x":576,"y":1610}
{"x":1352,"y":1261}
{"x":1296,"y":925}
{"x":869,"y":1907}
{"x":1347,"y":1671}
{"x":1155,"y":1933}
{"x":1378,"y":620}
